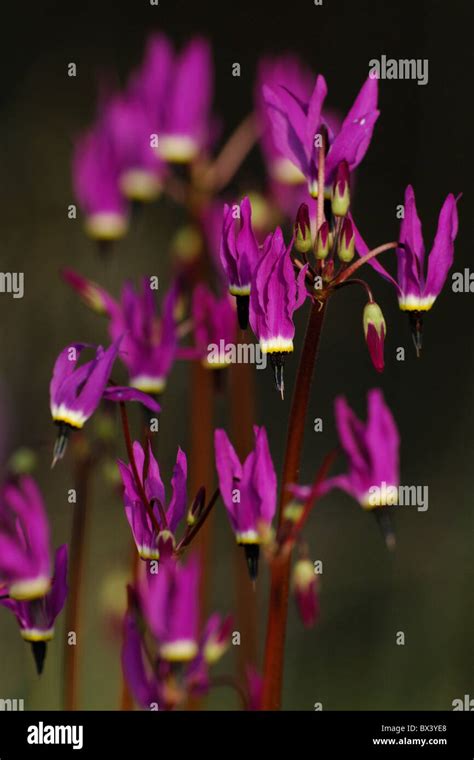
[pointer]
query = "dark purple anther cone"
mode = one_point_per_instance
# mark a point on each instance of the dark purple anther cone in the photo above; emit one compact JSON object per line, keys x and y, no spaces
{"x":252,"y":553}
{"x":39,"y":653}
{"x":277,"y":361}
{"x":416,"y":326}
{"x":243,"y":303}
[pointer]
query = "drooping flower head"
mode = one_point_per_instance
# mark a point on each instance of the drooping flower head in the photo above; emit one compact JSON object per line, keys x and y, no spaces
{"x":25,"y":558}
{"x":418,"y":283}
{"x":248,"y":490}
{"x":147,"y":533}
{"x":170,"y":603}
{"x":130,"y":130}
{"x":276,"y":294}
{"x":297,"y":124}
{"x":151,"y":81}
{"x":185,"y":126}
{"x":95,"y":172}
{"x":375,"y":331}
{"x":76,"y":391}
{"x":174,"y":664}
{"x":371,"y":450}
{"x":214,"y":327}
{"x":36,"y":617}
{"x":239,"y":254}
{"x":149,"y":339}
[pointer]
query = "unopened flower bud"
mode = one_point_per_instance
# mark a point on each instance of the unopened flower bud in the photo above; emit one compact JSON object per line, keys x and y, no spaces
{"x":303,"y":242}
{"x":304,"y":586}
{"x":346,"y":249}
{"x":341,"y":197}
{"x":323,"y":241}
{"x":375,"y":331}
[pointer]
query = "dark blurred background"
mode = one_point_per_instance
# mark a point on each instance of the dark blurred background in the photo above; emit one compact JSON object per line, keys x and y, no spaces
{"x":424,"y":136}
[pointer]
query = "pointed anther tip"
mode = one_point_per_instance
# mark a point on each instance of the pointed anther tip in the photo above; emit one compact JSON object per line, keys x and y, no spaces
{"x":252,"y":553}
{"x":39,"y":655}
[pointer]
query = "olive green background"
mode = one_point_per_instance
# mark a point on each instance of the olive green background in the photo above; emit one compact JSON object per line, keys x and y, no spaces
{"x":424,"y":136}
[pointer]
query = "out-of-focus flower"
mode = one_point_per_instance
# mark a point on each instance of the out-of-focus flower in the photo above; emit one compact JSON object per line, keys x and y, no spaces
{"x":371,"y":450}
{"x":149,"y":340}
{"x":287,"y":182}
{"x":151,"y":81}
{"x":130,"y":130}
{"x":305,"y":590}
{"x":276,"y":294}
{"x":147,"y":533}
{"x":255,"y":689}
{"x":25,"y":563}
{"x":184,"y":131}
{"x":96,"y":184}
{"x":214,"y":327}
{"x":296,"y":126}
{"x":248,"y":491}
{"x":170,"y":603}
{"x":216,"y":638}
{"x":142,"y":676}
{"x":36,"y":617}
{"x":375,"y":331}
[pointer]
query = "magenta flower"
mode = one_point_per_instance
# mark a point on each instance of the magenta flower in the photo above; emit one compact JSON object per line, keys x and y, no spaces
{"x":76,"y":392}
{"x":150,"y":83}
{"x":248,"y":490}
{"x":214,"y":327}
{"x":130,"y":130}
{"x":170,"y":604}
{"x":96,"y":184}
{"x":36,"y":617}
{"x":254,"y":688}
{"x":150,"y":342}
{"x":416,"y":290}
{"x":147,"y":533}
{"x":296,"y":125}
{"x":276,"y":294}
{"x":25,"y":563}
{"x":164,"y":675}
{"x":239,"y":255}
{"x":184,"y":131}
{"x":147,"y":683}
{"x":371,"y":451}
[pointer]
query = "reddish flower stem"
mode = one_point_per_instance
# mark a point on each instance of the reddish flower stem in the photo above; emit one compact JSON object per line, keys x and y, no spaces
{"x":280,"y":571}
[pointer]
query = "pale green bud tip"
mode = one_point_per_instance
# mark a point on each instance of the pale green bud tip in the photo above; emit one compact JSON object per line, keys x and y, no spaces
{"x":323,"y":242}
{"x":346,"y":248}
{"x":341,"y":197}
{"x":373,"y":315}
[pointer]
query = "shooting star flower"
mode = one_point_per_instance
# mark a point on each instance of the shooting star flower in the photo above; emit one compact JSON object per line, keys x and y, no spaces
{"x":150,"y":534}
{"x":416,"y":290}
{"x":96,"y":183}
{"x":25,"y":564}
{"x":248,"y":491}
{"x":214,"y":327}
{"x":298,"y":124}
{"x":36,"y":617}
{"x":239,"y":255}
{"x":276,"y":294}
